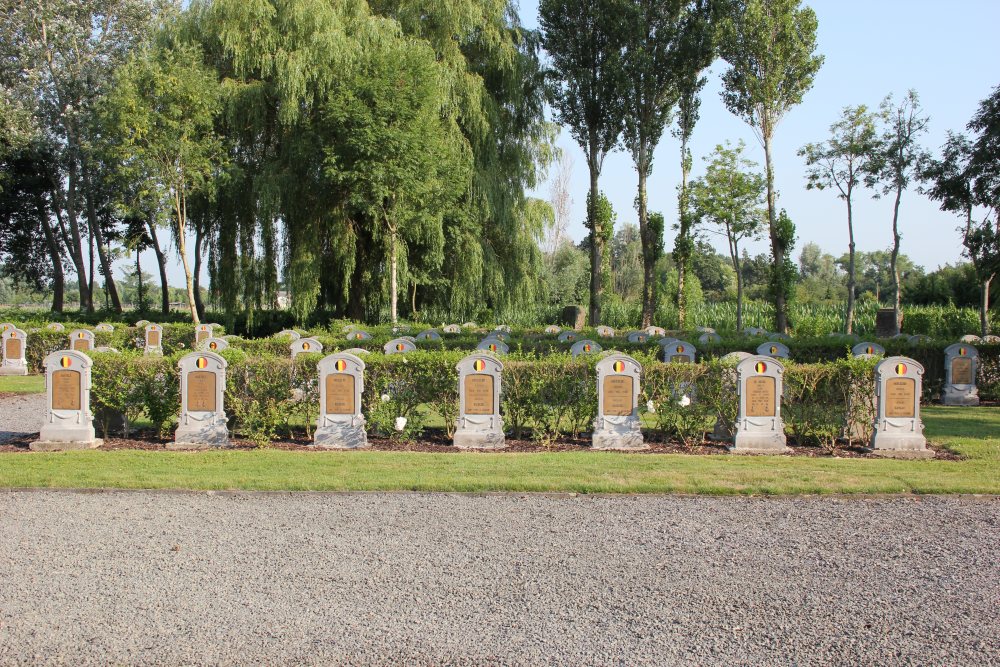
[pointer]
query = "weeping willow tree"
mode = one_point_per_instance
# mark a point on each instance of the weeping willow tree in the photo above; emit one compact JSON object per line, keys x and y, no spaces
{"x":320,"y":99}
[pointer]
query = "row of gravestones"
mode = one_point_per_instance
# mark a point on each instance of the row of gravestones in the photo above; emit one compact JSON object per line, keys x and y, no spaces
{"x":68,"y":422}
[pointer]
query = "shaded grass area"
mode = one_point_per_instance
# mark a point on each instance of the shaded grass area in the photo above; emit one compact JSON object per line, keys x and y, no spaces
{"x":18,"y":384}
{"x":972,"y":432}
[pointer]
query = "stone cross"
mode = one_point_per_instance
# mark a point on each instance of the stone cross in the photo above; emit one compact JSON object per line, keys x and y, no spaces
{"x":605,"y":332}
{"x":12,"y":345}
{"x":759,"y":427}
{"x":479,"y":424}
{"x":202,"y":422}
{"x":69,"y":423}
{"x":399,"y":346}
{"x":430,"y":334}
{"x":214,"y":344}
{"x":81,"y":340}
{"x":898,"y":430}
{"x":773,"y":349}
{"x":868,"y":349}
{"x":305,"y":346}
{"x":493,"y":345}
{"x":617,"y":425}
{"x":678,"y":352}
{"x":154,"y":339}
{"x":341,"y":385}
{"x":202,"y":332}
{"x":584,"y":347}
{"x":961,"y":364}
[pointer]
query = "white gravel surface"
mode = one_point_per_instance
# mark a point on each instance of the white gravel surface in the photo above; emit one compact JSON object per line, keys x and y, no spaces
{"x":421,"y":579}
{"x":21,"y":415}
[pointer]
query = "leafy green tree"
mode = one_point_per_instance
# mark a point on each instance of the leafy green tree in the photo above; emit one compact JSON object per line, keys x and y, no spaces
{"x":842,"y":162}
{"x":585,"y":41}
{"x":820,"y":280}
{"x":669,"y":42}
{"x":567,"y":276}
{"x":729,"y":196}
{"x":770,"y":46}
{"x":626,"y":263}
{"x":162,"y":110}
{"x":984,"y":166}
{"x":714,"y":272}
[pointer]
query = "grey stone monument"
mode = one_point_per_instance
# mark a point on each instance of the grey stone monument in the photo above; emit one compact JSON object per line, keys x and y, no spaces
{"x":961,"y":364}
{"x":341,"y":385}
{"x":759,"y":427}
{"x":617,"y":425}
{"x":605,"y":332}
{"x":899,"y":433}
{"x":202,"y":332}
{"x":773,"y":349}
{"x":13,"y":343}
{"x":970,"y":338}
{"x":552,"y":329}
{"x":104,"y":328}
{"x":637,"y":337}
{"x":493,"y":345}
{"x":356,"y":351}
{"x":707,"y":330}
{"x":678,"y":352}
{"x":655,"y":331}
{"x":919,"y":339}
{"x":214,"y":344}
{"x":294,"y":335}
{"x":154,"y":339}
{"x":754,"y":331}
{"x":499,"y":334}
{"x":399,"y":346}
{"x":709,"y":338}
{"x":55,"y":326}
{"x":202,"y":422}
{"x":567,"y":337}
{"x":359,"y":335}
{"x":141,"y":324}
{"x":452,"y":329}
{"x":991,"y":339}
{"x":69,"y":423}
{"x":81,"y":340}
{"x":479,"y":425}
{"x":430,"y":334}
{"x":868,"y":349}
{"x":305,"y":346}
{"x":584,"y":347}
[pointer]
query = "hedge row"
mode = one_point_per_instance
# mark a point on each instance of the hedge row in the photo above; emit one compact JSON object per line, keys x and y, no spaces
{"x":543,"y":399}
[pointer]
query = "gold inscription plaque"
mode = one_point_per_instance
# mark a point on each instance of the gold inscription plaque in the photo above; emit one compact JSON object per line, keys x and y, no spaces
{"x":900,"y":398}
{"x":680,"y":359}
{"x":66,"y":390}
{"x":12,"y":348}
{"x":81,"y":344}
{"x":479,"y":394}
{"x":153,"y":338}
{"x":201,"y":335}
{"x":961,"y":371}
{"x":201,"y":391}
{"x":760,"y":396}
{"x":340,"y":394}
{"x":618,"y":395}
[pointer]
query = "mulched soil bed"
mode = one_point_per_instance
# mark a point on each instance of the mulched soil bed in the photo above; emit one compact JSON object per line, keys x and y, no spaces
{"x":436,"y":441}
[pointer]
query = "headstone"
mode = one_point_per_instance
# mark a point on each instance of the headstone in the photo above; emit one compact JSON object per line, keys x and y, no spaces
{"x":399,"y":346}
{"x":215,"y":325}
{"x":899,"y":336}
{"x":56,"y":326}
{"x":469,"y":325}
{"x":637,"y":337}
{"x":552,"y":329}
{"x":898,"y":430}
{"x":294,"y":335}
{"x":69,"y":423}
{"x":214,"y":344}
{"x":567,"y":337}
{"x":991,"y":339}
{"x":305,"y":346}
{"x":141,"y":324}
{"x":773,"y":349}
{"x":970,"y":338}
{"x":574,"y":317}
{"x":105,"y":349}
{"x":886,"y":324}
{"x":452,"y":329}
{"x":666,"y":341}
{"x":919,"y":339}
{"x":154,"y":339}
{"x":356,"y":351}
{"x":679,"y":352}
{"x":104,"y":328}
{"x":759,"y":427}
{"x":341,"y":385}
{"x":503,"y":327}
{"x":655,"y":331}
{"x":584,"y":347}
{"x":709,"y":338}
{"x":13,"y":343}
{"x":778,"y":336}
{"x":735,"y":357}
{"x":617,"y":425}
{"x":348,"y":328}
{"x":725,"y":429}
{"x":202,"y":332}
{"x":81,"y":340}
{"x":479,"y":425}
{"x":868,"y":349}
{"x":202,"y":423}
{"x":493,"y":345}
{"x":707,"y":330}
{"x":409,"y":338}
{"x":359,"y":335}
{"x":754,"y":331}
{"x":605,"y":332}
{"x":430,"y":334}
{"x":961,"y":363}
{"x":498,"y":334}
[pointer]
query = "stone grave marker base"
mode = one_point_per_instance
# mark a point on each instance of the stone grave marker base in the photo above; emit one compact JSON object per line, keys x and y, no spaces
{"x":13,"y":370}
{"x":340,"y":436}
{"x":608,"y":439}
{"x":64,"y":446}
{"x":902,"y":453}
{"x":469,"y":439}
{"x":200,"y":437}
{"x":949,"y":396}
{"x":751,"y":443}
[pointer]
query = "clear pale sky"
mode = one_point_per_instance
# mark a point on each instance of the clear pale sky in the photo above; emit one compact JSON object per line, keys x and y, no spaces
{"x":947,"y":51}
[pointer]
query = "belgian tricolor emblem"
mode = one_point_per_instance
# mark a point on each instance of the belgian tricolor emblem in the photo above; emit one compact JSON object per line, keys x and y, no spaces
{"x":479,"y":364}
{"x":900,"y":369}
{"x":618,"y":366}
{"x":202,"y":362}
{"x":357,"y":336}
{"x":213,"y":345}
{"x":81,"y":335}
{"x":869,"y":350}
{"x":305,"y":347}
{"x":493,"y":347}
{"x":586,"y":348}
{"x":961,"y":351}
{"x":760,"y":367}
{"x":680,"y":349}
{"x":65,"y":362}
{"x":341,"y":365}
{"x":400,"y":347}
{"x":774,"y":350}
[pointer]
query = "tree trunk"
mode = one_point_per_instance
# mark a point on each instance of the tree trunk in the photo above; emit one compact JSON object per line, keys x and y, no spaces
{"x":181,"y":210}
{"x":76,"y":247}
{"x":648,"y":252}
{"x":393,"y":287}
{"x":199,"y":306}
{"x":161,"y":261}
{"x":682,"y":233}
{"x":97,"y":234}
{"x":851,"y":281}
{"x":596,"y":246}
{"x":734,"y":254}
{"x":984,"y":307}
{"x":895,"y":258}
{"x":413,"y":301}
{"x":140,"y":298}
{"x":777,"y":251}
{"x":58,"y":275}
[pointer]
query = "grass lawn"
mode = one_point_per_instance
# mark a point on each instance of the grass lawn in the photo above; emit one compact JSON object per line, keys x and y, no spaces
{"x":974,"y":432}
{"x":22,"y":384}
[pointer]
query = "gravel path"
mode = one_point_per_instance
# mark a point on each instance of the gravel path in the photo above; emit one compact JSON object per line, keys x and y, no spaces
{"x":21,"y":415}
{"x":421,"y":579}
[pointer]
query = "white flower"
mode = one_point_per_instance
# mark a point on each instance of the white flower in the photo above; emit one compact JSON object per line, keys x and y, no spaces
{"x":684,"y":402}
{"x":651,"y":406}
{"x":400,"y":423}
{"x":385,"y":397}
